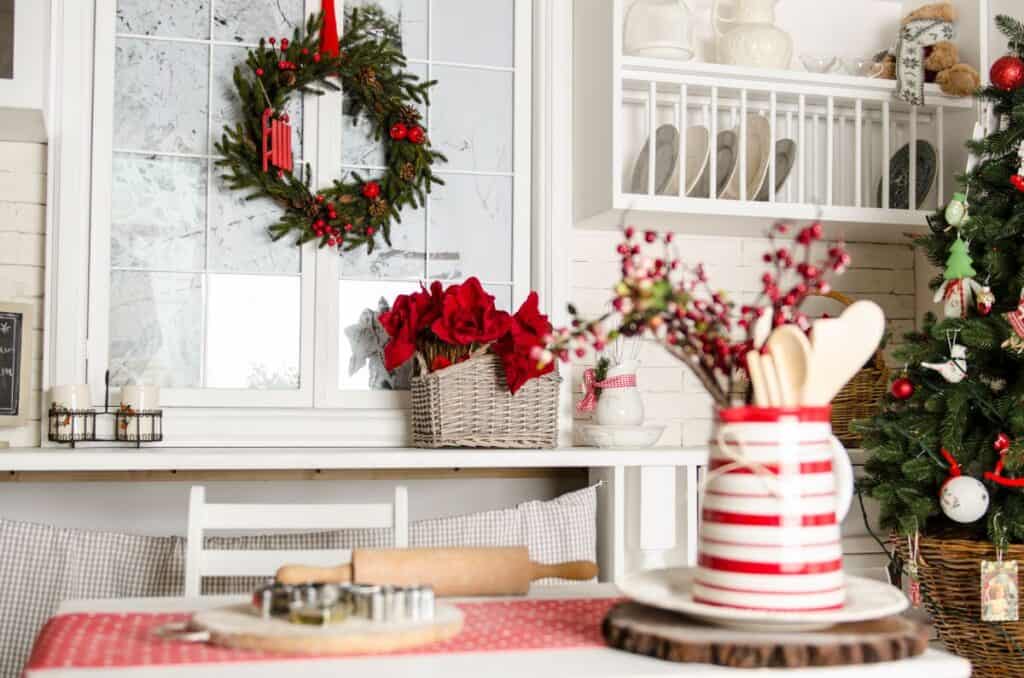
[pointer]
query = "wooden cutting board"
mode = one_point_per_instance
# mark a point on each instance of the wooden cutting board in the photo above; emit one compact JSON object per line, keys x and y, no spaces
{"x":658,"y":633}
{"x":242,"y":627}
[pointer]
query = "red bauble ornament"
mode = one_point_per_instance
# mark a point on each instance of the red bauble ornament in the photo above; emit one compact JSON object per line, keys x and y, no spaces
{"x":902,"y":388}
{"x":1007,"y":73}
{"x":417,"y":135}
{"x":399,"y":131}
{"x":371,"y":190}
{"x":1018,"y":182}
{"x":259,"y":72}
{"x":1002,"y":443}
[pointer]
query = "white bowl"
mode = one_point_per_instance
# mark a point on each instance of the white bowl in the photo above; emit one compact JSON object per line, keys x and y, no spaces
{"x":818,"y":64}
{"x":621,"y":436}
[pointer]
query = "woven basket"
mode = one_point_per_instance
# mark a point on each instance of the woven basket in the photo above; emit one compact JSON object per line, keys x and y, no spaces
{"x":950,"y":575}
{"x":469,"y":405}
{"x":861,"y":398}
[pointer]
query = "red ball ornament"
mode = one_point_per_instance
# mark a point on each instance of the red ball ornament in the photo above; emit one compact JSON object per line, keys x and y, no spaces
{"x":902,"y":388}
{"x":371,"y":190}
{"x":1002,"y":443}
{"x":1007,"y":73}
{"x":417,"y":135}
{"x":1018,"y":182}
{"x":399,"y":131}
{"x":259,"y":72}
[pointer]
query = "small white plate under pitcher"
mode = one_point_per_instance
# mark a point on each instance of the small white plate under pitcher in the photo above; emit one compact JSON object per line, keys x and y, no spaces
{"x":620,"y":437}
{"x":671,"y":589}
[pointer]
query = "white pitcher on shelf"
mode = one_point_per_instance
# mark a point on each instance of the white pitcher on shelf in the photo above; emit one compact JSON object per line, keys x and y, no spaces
{"x":750,"y":37}
{"x":620,"y":403}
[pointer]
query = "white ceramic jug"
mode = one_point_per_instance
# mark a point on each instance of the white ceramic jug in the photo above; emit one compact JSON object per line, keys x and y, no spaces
{"x":750,"y":37}
{"x":621,"y":406}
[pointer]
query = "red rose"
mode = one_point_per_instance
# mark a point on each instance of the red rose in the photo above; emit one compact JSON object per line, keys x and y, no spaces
{"x":371,"y":190}
{"x":399,"y":131}
{"x":439,"y":363}
{"x":409,"y":315}
{"x":528,"y":328}
{"x":417,"y":135}
{"x":468,"y":316}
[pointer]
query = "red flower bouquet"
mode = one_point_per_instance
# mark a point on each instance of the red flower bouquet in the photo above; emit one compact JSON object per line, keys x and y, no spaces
{"x":448,"y":325}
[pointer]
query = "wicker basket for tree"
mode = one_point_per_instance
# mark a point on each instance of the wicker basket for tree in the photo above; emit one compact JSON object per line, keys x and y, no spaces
{"x":949,"y":570}
{"x":861,"y":398}
{"x":469,"y":405}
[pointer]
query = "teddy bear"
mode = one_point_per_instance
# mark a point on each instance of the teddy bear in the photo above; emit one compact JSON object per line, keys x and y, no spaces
{"x":941,"y":61}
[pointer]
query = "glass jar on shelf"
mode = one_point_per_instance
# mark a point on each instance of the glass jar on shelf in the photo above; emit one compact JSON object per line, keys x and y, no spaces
{"x":659,"y":29}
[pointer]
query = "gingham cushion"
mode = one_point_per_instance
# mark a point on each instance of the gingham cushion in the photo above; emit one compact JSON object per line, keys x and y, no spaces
{"x":42,"y":565}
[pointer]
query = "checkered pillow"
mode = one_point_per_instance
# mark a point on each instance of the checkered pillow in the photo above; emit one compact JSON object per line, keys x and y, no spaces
{"x":42,"y":565}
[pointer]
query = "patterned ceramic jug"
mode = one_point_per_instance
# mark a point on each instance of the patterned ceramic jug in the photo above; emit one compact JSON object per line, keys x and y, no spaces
{"x":778,"y":486}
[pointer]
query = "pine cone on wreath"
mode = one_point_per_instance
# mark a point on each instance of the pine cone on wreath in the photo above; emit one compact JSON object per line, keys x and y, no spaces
{"x":368,"y":78}
{"x":378,"y":208}
{"x":287,"y":78}
{"x":409,"y":115}
{"x":407,"y":172}
{"x":346,"y":199}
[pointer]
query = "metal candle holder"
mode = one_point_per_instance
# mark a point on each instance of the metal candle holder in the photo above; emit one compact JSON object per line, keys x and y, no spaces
{"x":75,"y":426}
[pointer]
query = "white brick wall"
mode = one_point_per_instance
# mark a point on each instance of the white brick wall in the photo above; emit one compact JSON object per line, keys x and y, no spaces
{"x":22,"y":237}
{"x":672,"y":395}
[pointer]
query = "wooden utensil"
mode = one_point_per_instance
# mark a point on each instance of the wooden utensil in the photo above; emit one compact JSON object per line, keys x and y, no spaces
{"x":839,"y":348}
{"x":763,"y":327}
{"x":451,"y":571}
{"x":791,"y":351}
{"x":756,"y":373}
{"x":771,"y":381}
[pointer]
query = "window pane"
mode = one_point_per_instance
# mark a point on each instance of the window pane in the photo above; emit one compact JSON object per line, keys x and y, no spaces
{"x":158,"y":213}
{"x":474,"y":32}
{"x":410,"y":16}
{"x":160,"y":100}
{"x":249,"y":20}
{"x":239,"y":241}
{"x":471,"y":228}
{"x":177,"y":18}
{"x":471,"y":118}
{"x":253,"y":332}
{"x":225,"y":108}
{"x":362,"y":339}
{"x":156,"y":324}
{"x":502,"y":296}
{"x":358,"y":146}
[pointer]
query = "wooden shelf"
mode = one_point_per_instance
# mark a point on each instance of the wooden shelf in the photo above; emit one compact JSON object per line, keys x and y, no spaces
{"x":17,"y":460}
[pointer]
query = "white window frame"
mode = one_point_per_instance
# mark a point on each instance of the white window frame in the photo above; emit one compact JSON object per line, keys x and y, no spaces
{"x":320,"y":327}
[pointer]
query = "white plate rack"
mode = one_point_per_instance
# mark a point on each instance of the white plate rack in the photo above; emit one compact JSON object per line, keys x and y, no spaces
{"x":843,"y":133}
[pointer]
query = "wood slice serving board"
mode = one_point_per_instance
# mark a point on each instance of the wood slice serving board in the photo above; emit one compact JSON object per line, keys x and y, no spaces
{"x":658,"y":633}
{"x":242,"y":627}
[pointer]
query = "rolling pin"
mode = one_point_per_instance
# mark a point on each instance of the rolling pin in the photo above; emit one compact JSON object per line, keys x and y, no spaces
{"x":451,"y":571}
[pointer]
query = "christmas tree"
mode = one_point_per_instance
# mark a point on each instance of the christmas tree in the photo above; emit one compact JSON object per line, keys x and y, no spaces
{"x":954,"y":411}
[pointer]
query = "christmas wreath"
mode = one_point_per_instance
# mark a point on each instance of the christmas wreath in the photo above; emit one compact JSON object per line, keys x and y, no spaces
{"x":365,"y":62}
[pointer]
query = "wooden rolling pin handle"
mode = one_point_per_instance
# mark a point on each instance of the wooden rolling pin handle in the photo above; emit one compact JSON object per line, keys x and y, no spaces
{"x":304,"y":574}
{"x":576,"y":570}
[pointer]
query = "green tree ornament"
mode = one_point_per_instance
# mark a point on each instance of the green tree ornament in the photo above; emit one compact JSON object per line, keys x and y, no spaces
{"x":959,"y":264}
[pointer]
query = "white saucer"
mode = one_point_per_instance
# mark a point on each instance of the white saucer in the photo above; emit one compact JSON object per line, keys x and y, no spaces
{"x":621,"y":436}
{"x":669,"y":589}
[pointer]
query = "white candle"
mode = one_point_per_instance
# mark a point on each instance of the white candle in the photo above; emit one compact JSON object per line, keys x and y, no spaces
{"x":77,"y":397}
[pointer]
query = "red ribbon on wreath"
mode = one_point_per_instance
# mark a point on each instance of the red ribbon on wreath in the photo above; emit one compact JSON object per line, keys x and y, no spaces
{"x":329,"y":31}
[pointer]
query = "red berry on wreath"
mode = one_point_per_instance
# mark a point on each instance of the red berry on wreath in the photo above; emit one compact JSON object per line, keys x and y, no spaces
{"x":902,"y":388}
{"x":319,"y":199}
{"x":1007,"y":73}
{"x":316,"y":58}
{"x":284,"y":43}
{"x":1002,"y":443}
{"x":417,"y":135}
{"x":259,"y":72}
{"x":371,"y":190}
{"x":347,"y":227}
{"x":1018,"y":182}
{"x":399,"y":131}
{"x":272,"y":40}
{"x":370,"y":230}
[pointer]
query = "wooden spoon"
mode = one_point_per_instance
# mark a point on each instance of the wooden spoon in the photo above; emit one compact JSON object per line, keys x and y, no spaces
{"x":763,"y":327}
{"x":756,"y":372}
{"x":791,"y":351}
{"x":839,"y":348}
{"x":771,"y":380}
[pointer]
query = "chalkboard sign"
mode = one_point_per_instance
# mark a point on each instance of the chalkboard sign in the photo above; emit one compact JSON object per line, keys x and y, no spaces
{"x":15,"y":353}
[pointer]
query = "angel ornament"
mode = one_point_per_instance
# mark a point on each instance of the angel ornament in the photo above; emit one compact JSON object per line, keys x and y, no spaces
{"x":959,"y":288}
{"x":1015,"y":318}
{"x":953,"y":370}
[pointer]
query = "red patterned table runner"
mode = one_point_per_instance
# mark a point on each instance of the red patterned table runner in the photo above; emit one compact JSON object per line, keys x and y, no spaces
{"x":128,"y":639}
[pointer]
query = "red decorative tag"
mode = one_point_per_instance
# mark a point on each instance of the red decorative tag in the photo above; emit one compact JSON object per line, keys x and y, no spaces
{"x":915,"y":593}
{"x":277,"y":142}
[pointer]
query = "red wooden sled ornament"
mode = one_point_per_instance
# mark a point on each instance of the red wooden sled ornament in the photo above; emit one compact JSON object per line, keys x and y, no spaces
{"x":277,"y":142}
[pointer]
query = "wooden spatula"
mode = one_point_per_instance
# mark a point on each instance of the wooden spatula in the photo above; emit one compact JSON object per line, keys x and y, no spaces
{"x":839,"y":348}
{"x":756,"y":373}
{"x":791,"y":351}
{"x":771,"y":381}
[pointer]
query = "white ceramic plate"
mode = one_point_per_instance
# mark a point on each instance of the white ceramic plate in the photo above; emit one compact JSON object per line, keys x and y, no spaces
{"x":698,"y":158}
{"x":621,"y":436}
{"x":785,"y":157}
{"x":758,"y":155}
{"x":666,"y":158}
{"x":726,"y":165}
{"x":670,"y":589}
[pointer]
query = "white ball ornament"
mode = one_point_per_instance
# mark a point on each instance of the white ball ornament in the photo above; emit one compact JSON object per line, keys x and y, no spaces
{"x":964,"y":499}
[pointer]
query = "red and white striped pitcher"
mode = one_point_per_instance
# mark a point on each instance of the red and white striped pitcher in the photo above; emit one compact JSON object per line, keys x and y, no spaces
{"x":778,"y":486}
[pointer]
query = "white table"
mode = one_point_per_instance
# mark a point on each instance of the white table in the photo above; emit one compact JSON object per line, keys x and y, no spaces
{"x":583,"y":663}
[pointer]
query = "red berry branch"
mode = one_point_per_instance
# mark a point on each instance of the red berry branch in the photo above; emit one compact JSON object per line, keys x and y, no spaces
{"x":664,"y":299}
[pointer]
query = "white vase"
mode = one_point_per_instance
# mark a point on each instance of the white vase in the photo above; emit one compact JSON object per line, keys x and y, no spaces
{"x":750,"y":37}
{"x":659,"y":29}
{"x":621,"y":406}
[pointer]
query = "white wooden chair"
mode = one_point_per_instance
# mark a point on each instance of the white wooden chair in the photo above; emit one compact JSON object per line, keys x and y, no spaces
{"x":200,"y":562}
